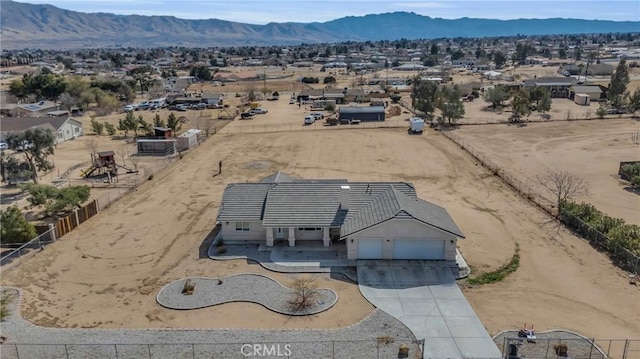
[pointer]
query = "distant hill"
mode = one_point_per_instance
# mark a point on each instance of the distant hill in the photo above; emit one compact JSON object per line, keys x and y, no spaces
{"x":45,"y":26}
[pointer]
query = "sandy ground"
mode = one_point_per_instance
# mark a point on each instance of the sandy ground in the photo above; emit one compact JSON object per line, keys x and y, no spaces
{"x":589,"y":149}
{"x":107,"y":272}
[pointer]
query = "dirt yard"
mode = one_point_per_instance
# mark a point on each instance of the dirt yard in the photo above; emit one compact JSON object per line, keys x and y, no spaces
{"x":588,"y":149}
{"x":107,"y":272}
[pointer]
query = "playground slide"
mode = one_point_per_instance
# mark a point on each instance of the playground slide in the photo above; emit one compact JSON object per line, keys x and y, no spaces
{"x":88,"y":171}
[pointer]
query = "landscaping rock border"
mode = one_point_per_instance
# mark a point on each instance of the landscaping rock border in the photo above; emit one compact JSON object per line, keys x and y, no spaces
{"x":253,"y":288}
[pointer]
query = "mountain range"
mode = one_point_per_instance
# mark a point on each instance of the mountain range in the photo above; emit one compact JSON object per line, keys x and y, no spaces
{"x":46,"y":26}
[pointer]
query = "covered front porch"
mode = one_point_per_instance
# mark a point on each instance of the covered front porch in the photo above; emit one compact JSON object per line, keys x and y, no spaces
{"x":307,"y":234}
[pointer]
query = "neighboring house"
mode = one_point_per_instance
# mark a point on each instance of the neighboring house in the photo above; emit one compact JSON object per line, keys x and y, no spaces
{"x":65,"y":128}
{"x":212,"y":98}
{"x":370,"y":113}
{"x":376,"y":220}
{"x":558,"y":86}
{"x":595,"y":93}
{"x":35,"y":109}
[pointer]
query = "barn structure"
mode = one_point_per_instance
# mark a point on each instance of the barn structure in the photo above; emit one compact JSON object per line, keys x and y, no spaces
{"x":364,"y":114}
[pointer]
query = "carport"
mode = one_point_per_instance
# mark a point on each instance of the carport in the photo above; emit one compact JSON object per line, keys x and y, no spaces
{"x":425,"y":297}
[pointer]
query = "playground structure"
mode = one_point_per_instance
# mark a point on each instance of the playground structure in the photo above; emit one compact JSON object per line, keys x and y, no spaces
{"x":104,"y":163}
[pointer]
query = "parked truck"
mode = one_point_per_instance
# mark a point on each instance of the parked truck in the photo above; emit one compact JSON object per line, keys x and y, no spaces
{"x":416,"y":125}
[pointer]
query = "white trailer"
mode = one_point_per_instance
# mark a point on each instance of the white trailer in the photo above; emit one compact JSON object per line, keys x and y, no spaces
{"x":582,"y":99}
{"x":416,"y":125}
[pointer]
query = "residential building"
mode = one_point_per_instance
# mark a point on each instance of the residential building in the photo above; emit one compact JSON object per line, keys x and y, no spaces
{"x":64,"y":128}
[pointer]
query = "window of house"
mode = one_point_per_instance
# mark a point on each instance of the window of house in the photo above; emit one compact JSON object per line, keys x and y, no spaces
{"x":243,"y":226}
{"x":309,"y":229}
{"x":77,"y":129}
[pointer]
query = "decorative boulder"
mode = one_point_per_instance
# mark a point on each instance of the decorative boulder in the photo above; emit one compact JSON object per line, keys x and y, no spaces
{"x":189,"y":287}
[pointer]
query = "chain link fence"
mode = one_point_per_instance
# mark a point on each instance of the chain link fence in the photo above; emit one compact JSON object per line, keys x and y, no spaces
{"x":575,"y":348}
{"x":317,"y":349}
{"x":621,"y":256}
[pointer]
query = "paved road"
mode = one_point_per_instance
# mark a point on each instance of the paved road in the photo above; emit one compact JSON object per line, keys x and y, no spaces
{"x":426,"y":298}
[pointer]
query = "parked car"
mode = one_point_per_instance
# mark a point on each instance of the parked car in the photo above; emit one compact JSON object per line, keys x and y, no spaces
{"x":259,"y":111}
{"x":246,"y":115}
{"x":4,"y":146}
{"x":317,"y":115}
{"x":309,"y":119}
{"x":200,"y":106}
{"x":128,"y":108}
{"x":24,"y":145}
{"x":292,"y":101}
{"x":181,"y":108}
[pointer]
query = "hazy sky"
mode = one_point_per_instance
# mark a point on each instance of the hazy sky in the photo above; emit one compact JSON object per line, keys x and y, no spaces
{"x":265,"y":11}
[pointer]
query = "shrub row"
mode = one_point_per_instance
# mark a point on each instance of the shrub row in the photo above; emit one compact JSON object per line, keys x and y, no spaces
{"x":604,"y":232}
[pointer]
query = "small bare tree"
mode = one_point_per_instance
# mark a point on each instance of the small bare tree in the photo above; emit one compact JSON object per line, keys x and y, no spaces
{"x":134,"y":161}
{"x":304,"y":294}
{"x":123,"y":152}
{"x":93,"y":146}
{"x":564,"y":185}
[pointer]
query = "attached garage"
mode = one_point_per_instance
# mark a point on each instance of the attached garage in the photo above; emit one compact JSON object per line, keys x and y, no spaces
{"x":418,"y":249}
{"x":369,"y":248}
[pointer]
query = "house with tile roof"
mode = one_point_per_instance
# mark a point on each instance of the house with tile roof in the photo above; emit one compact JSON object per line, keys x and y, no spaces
{"x":376,"y":220}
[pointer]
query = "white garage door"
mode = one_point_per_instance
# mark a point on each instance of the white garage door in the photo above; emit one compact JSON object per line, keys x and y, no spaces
{"x":418,"y":249}
{"x":370,"y":248}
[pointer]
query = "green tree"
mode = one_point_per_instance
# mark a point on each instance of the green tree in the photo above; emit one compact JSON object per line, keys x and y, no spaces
{"x":14,"y":228}
{"x":157,"y":121}
{"x":201,"y":72}
{"x":499,"y":59}
{"x":519,"y":105}
{"x":111,"y":129}
{"x":18,"y":89}
{"x":424,"y":95}
{"x":329,"y":80}
{"x":38,"y":146}
{"x":544,"y":104}
{"x":450,"y":104}
{"x":634,"y":102}
{"x":434,"y":49}
{"x":173,"y":123}
{"x":496,"y":95}
{"x":56,"y":200}
{"x":145,"y":126}
{"x":13,"y":170}
{"x":142,"y":76}
{"x":129,"y":123}
{"x":96,"y":126}
{"x":619,"y":80}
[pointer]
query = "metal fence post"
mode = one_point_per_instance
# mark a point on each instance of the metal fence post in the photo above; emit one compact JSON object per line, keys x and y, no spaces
{"x":17,"y":352}
{"x":66,"y":350}
{"x":115,"y":347}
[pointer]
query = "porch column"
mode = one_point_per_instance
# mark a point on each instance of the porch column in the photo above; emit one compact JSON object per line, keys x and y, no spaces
{"x":269,"y":237}
{"x":326,"y":241}
{"x":292,"y":237}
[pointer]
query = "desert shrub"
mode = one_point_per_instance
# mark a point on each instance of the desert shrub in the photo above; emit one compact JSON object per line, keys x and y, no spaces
{"x":500,"y":273}
{"x":6,"y":298}
{"x":304,"y":293}
{"x":221,"y":249}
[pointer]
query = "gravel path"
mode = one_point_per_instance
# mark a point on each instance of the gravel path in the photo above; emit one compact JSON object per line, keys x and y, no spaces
{"x":354,"y":342}
{"x":254,"y":288}
{"x":577,"y":345}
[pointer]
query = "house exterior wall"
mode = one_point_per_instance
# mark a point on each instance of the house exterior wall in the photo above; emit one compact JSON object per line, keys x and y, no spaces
{"x":307,"y":235}
{"x":405,"y":229}
{"x":255,"y":233}
{"x":69,"y":130}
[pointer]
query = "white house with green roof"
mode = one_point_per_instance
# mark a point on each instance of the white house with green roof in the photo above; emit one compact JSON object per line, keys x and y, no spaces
{"x":376,"y":220}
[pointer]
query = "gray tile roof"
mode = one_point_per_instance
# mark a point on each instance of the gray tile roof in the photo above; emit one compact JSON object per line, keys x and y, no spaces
{"x":278,"y":177}
{"x":243,"y":202}
{"x":316,"y":203}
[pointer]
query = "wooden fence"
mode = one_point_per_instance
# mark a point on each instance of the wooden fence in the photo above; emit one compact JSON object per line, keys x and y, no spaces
{"x":70,"y":222}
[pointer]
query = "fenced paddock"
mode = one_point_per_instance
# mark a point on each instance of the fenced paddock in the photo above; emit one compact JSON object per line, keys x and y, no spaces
{"x":622,"y":257}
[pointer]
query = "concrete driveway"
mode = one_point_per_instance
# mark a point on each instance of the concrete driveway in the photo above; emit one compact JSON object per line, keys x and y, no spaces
{"x":426,"y":298}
